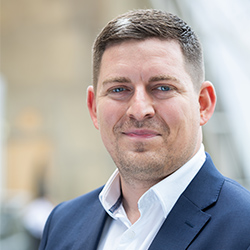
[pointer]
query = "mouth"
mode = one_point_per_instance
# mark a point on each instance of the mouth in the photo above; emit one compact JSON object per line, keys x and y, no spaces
{"x":141,"y":133}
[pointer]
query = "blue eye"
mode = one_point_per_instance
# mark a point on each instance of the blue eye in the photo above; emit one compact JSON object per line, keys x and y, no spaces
{"x":117,"y":90}
{"x":164,"y":88}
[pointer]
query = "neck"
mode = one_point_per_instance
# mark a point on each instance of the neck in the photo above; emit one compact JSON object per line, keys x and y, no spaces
{"x":131,"y":193}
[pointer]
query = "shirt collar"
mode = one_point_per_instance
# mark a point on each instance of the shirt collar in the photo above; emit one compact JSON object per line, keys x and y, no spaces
{"x":110,"y":196}
{"x":167,"y":191}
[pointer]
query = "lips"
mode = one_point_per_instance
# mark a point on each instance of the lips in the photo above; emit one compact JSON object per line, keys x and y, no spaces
{"x":141,"y":133}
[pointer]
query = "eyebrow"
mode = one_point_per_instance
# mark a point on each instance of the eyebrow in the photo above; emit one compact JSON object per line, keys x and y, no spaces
{"x":116,"y":80}
{"x":163,"y":78}
{"x":151,"y":79}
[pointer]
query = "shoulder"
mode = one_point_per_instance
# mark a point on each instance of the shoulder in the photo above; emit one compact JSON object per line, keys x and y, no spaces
{"x":215,"y":192}
{"x":235,"y":195}
{"x":83,"y":200}
{"x":232,"y":209}
{"x":70,"y":213}
{"x":73,"y":213}
{"x":79,"y":203}
{"x":71,"y":217}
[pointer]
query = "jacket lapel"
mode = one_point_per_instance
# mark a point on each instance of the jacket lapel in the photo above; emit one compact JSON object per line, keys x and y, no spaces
{"x":92,"y":227}
{"x":187,"y":217}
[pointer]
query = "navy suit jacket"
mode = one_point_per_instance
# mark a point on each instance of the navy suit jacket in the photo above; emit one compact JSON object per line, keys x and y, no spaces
{"x":213,"y":213}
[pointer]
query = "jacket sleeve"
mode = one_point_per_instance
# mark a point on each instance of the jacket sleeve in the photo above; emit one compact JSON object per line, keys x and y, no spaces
{"x":46,"y":230}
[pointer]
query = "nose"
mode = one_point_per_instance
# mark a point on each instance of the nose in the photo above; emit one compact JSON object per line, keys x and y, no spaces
{"x":141,"y":105}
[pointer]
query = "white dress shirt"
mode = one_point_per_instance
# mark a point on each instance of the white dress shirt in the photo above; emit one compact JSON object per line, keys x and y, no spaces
{"x":154,"y":207}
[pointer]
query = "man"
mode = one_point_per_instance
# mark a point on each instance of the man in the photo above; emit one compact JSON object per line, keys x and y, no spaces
{"x":149,"y":100}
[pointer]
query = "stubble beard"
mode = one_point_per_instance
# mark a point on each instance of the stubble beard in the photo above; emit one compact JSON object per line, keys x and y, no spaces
{"x":143,"y":167}
{"x":141,"y":164}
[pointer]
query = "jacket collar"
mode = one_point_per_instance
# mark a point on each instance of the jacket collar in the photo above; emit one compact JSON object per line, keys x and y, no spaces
{"x":92,"y":227}
{"x":183,"y":223}
{"x":188,"y":216}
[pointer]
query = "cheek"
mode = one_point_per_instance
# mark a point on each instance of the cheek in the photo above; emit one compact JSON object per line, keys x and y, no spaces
{"x":172,"y":114}
{"x":108,"y":114}
{"x":178,"y":115}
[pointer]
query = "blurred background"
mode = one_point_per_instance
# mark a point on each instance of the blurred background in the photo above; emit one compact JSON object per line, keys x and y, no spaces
{"x":49,"y":149}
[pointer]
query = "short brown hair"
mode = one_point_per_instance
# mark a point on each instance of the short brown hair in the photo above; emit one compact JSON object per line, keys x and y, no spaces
{"x":149,"y":23}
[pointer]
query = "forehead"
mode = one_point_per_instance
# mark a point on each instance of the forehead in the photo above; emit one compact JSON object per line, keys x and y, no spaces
{"x":150,"y":46}
{"x":142,"y":58}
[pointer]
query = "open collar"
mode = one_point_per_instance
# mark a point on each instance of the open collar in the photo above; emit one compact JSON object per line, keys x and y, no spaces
{"x":188,"y":216}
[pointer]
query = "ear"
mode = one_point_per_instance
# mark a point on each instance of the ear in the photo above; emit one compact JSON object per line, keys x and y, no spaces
{"x":207,"y":101}
{"x":91,"y":103}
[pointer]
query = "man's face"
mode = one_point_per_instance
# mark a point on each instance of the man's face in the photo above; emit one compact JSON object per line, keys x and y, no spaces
{"x":146,"y":108}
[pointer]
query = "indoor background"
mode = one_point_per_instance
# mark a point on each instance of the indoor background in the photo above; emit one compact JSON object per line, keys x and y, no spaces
{"x":49,"y":149}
